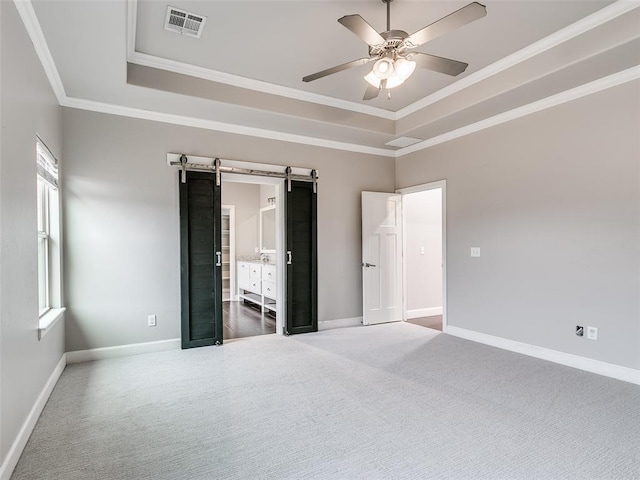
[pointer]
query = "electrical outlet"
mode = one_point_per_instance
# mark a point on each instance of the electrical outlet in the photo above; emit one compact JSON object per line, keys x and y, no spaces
{"x":475,"y":251}
{"x":579,"y":330}
{"x":151,"y":321}
{"x":592,"y":333}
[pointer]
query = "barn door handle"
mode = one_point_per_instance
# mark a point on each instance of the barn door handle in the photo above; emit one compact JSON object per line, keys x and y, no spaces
{"x":289,"y":257}
{"x":219,"y":262}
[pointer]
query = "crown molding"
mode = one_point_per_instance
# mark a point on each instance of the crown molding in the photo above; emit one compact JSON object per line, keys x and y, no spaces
{"x":171,"y":118}
{"x":147,"y":60}
{"x":590,"y":88}
{"x":30,"y":20}
{"x":34,"y":30}
{"x":132,"y":22}
{"x":31,"y":24}
{"x":583,"y":25}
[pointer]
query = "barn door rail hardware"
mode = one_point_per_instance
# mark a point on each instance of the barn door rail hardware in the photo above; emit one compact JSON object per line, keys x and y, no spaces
{"x":218,"y":166}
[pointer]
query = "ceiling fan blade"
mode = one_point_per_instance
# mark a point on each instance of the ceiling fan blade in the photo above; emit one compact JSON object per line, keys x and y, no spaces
{"x":336,"y":69}
{"x":361,"y":29}
{"x":371,"y":92}
{"x":468,"y":14}
{"x":438,"y":64}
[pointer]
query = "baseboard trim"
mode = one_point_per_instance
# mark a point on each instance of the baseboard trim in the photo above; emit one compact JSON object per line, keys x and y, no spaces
{"x":10,"y":462}
{"x":594,"y":366}
{"x":122,"y":351}
{"x":424,"y":312}
{"x":340,"y":323}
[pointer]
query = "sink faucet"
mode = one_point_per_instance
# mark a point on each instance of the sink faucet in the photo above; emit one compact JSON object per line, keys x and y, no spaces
{"x":264,"y":257}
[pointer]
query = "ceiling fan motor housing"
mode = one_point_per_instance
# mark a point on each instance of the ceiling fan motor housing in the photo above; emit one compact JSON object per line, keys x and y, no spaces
{"x":394,"y":44}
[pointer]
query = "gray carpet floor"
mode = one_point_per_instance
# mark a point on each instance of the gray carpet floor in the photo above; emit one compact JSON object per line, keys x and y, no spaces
{"x":394,"y":401}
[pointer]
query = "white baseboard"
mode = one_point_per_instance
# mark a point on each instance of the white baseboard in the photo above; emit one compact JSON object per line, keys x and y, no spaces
{"x":122,"y":350}
{"x":340,"y":323}
{"x":594,"y":366}
{"x":424,"y":312}
{"x":11,"y":460}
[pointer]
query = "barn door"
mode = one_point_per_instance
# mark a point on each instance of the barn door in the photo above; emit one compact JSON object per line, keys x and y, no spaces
{"x":201,"y":260}
{"x":301,"y":258}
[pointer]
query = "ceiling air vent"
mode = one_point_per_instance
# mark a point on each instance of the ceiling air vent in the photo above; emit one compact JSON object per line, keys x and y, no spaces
{"x":402,"y":142}
{"x":184,"y":23}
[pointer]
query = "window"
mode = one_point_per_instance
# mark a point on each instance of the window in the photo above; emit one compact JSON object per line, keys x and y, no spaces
{"x":43,"y":246}
{"x":48,"y":217}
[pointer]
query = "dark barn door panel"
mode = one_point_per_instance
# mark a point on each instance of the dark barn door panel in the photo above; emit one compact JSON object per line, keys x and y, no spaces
{"x":302,"y":259}
{"x":201,"y":276}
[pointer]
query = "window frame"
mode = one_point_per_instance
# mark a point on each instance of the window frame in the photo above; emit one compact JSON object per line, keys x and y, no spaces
{"x":44,"y":254}
{"x":49,"y":272}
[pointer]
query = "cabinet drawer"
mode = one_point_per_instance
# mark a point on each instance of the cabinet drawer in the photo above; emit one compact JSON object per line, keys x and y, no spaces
{"x":254,"y":286}
{"x":269,"y":289}
{"x":269,"y":273}
{"x":255,"y":273}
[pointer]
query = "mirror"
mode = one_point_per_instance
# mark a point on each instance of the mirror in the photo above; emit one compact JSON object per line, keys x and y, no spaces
{"x":268,"y":230}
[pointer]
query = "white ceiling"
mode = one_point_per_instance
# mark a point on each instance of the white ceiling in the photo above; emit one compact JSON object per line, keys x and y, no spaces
{"x":280,"y":42}
{"x":246,"y":70}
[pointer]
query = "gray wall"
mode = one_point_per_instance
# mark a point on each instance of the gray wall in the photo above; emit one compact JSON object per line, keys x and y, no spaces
{"x":246,"y":198}
{"x":266,"y":192}
{"x":121,"y":222}
{"x":553,"y":200}
{"x":28,"y":107}
{"x":423,"y":229}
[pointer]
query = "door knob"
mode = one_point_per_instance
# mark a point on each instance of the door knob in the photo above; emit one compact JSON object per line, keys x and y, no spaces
{"x":368,"y":265}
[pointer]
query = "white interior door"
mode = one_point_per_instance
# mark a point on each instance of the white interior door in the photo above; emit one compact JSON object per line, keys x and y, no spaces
{"x":381,"y":257}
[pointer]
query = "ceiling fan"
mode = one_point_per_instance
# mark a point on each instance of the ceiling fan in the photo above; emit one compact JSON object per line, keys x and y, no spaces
{"x":393,"y":52}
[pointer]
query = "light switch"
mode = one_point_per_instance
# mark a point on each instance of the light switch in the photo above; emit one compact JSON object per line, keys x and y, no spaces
{"x":421,"y":250}
{"x":475,"y":251}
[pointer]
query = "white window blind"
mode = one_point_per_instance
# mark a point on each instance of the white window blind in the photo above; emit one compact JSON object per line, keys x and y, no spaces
{"x":47,"y":165}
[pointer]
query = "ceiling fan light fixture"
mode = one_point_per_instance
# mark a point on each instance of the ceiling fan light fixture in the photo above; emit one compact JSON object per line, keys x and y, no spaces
{"x":383,"y":68}
{"x":372,"y":79}
{"x":394,"y":80}
{"x":400,"y":70}
{"x":404,"y":67}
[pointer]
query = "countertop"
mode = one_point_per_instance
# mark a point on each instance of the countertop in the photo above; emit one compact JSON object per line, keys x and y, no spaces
{"x":268,"y":260}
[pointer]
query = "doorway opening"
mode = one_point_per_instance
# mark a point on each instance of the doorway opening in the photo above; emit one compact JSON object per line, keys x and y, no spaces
{"x":252,"y":243}
{"x":424,"y":259}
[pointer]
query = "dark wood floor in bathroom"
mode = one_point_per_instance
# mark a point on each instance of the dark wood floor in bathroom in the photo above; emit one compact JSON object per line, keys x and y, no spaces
{"x":241,"y":320}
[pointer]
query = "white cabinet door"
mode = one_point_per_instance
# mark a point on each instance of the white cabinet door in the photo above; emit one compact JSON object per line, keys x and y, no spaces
{"x":244,"y":277}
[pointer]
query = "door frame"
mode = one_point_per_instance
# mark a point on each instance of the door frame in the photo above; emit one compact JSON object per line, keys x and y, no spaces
{"x":422,"y":188}
{"x":281,"y":226}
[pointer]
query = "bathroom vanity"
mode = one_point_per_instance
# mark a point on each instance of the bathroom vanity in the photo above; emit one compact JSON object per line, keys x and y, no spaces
{"x":257,"y":283}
